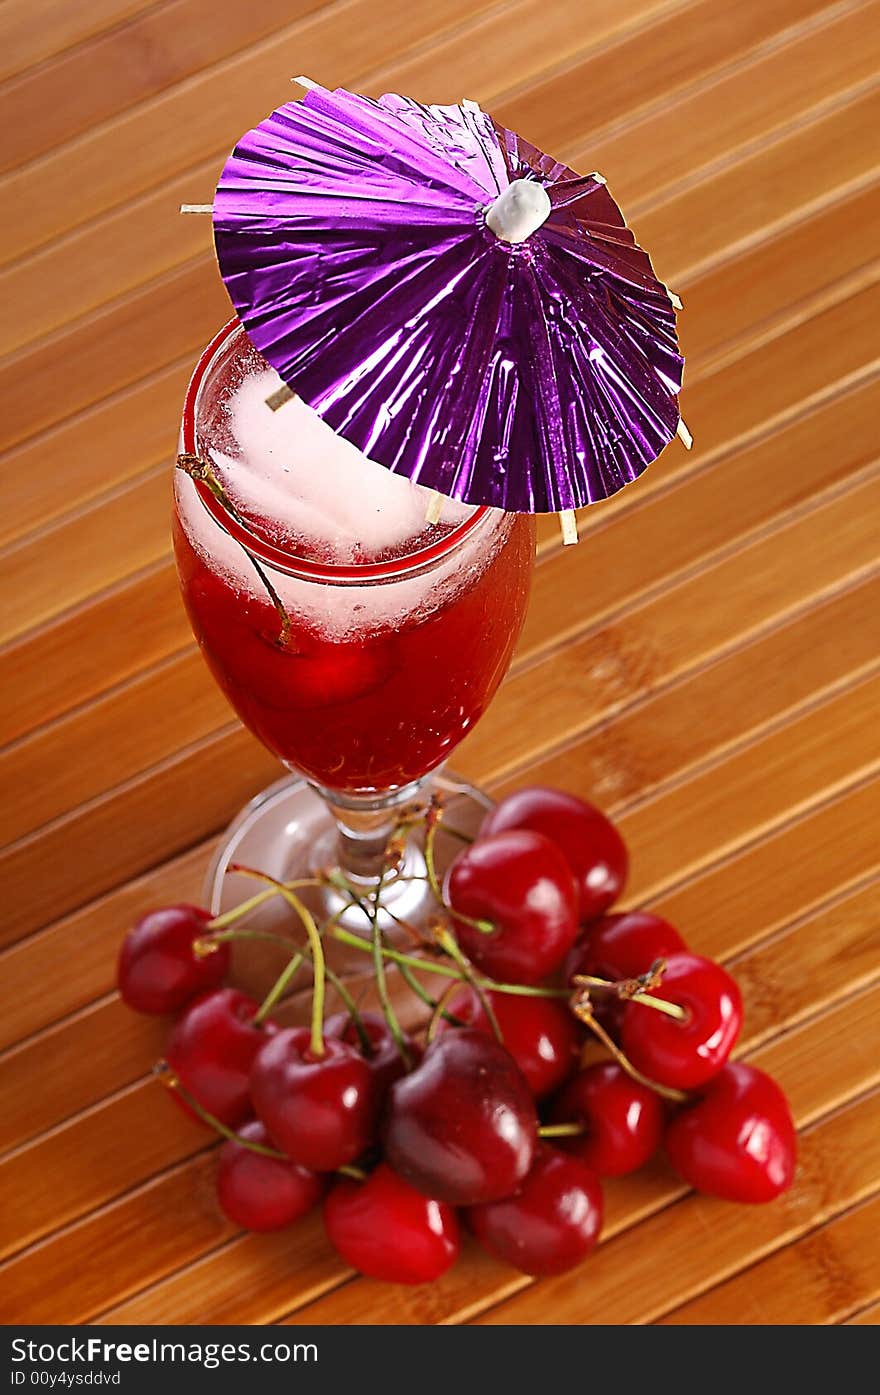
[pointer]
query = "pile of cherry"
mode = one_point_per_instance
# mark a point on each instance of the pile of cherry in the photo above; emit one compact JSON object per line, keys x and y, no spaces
{"x":492,"y":1114}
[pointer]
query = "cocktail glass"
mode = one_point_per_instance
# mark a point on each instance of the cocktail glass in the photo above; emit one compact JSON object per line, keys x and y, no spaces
{"x":361,"y":673}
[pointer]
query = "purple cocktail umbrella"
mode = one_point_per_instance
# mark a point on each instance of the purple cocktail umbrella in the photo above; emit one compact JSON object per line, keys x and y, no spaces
{"x":463,"y":308}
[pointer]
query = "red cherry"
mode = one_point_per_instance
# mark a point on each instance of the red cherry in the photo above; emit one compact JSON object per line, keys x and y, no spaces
{"x":323,"y":674}
{"x":624,"y":1120}
{"x":551,"y":1223}
{"x":211,"y":1048}
{"x":738,"y":1141}
{"x":462,"y":1127}
{"x":158,"y":970}
{"x":588,"y":840}
{"x":522,"y":884}
{"x":240,"y":635}
{"x":388,"y":1230}
{"x":541,"y":1034}
{"x":685,"y":1054}
{"x":321,"y":1110}
{"x":386,"y":1062}
{"x":620,"y":946}
{"x":623,"y":945}
{"x":259,"y":1192}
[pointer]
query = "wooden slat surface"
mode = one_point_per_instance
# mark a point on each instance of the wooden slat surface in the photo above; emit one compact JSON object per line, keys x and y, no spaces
{"x":705,"y":664}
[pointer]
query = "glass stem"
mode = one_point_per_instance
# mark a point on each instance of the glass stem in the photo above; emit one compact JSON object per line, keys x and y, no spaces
{"x":365,"y":826}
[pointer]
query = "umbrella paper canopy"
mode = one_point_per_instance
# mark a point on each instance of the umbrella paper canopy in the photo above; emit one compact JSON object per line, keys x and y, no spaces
{"x":464,"y":309}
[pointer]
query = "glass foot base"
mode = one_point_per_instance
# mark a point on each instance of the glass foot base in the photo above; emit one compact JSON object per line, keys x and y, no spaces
{"x":288,"y":832}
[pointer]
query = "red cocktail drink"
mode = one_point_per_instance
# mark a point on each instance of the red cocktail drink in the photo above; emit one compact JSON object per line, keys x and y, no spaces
{"x":378,"y":706}
{"x":356,"y":640}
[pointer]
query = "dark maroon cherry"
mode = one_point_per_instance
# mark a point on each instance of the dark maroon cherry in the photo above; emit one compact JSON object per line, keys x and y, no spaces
{"x":623,"y":1119}
{"x":462,"y":1127}
{"x":211,"y":1048}
{"x":588,"y":840}
{"x":321,"y":1110}
{"x":541,"y":1034}
{"x":388,"y":1230}
{"x":259,"y":1192}
{"x":738,"y":1140}
{"x":158,"y":970}
{"x":551,"y":1223}
{"x":522,"y":885}
{"x":685,"y":1054}
{"x":385,"y":1060}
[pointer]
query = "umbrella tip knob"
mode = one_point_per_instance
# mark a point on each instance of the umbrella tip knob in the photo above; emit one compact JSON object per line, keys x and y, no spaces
{"x":519,"y":210}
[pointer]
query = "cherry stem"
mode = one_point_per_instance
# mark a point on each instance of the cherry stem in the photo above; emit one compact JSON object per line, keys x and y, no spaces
{"x":406,"y":972}
{"x":526,"y":990}
{"x":377,"y":949}
{"x":341,"y":883}
{"x":440,"y":1013}
{"x":349,"y":1170}
{"x":317,"y":956}
{"x":351,"y":1008}
{"x":430,"y":862}
{"x":348,"y":1001}
{"x":582,"y":1010}
{"x":348,"y":937}
{"x":625,"y":990}
{"x":431,"y":1002}
{"x":163,"y":1072}
{"x":435,"y":966}
{"x":294,"y":964}
{"x":210,"y":942}
{"x":432,"y":823}
{"x":201,"y":472}
{"x":447,"y":941}
{"x":561,"y":1130}
{"x":230,"y":917}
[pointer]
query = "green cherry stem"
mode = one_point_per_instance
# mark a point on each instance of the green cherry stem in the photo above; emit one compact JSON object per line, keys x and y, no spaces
{"x":430,"y":860}
{"x":349,"y":1170}
{"x":294,"y":964}
{"x":440,"y":1013}
{"x":406,"y":973}
{"x":447,"y":941}
{"x":646,"y":999}
{"x":166,"y":1075}
{"x":338,"y":880}
{"x":422,"y":993}
{"x":348,"y":937}
{"x":317,"y":955}
{"x":435,"y":966}
{"x":244,"y":907}
{"x":432,"y":823}
{"x":412,"y":982}
{"x":210,"y":941}
{"x":525,"y":990}
{"x":351,"y":1008}
{"x":582,"y":1010}
{"x":209,"y":944}
{"x":404,"y":964}
{"x":561,"y":1130}
{"x":377,"y":946}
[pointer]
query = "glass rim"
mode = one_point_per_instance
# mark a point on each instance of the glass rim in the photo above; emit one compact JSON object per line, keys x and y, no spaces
{"x":279,"y":557}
